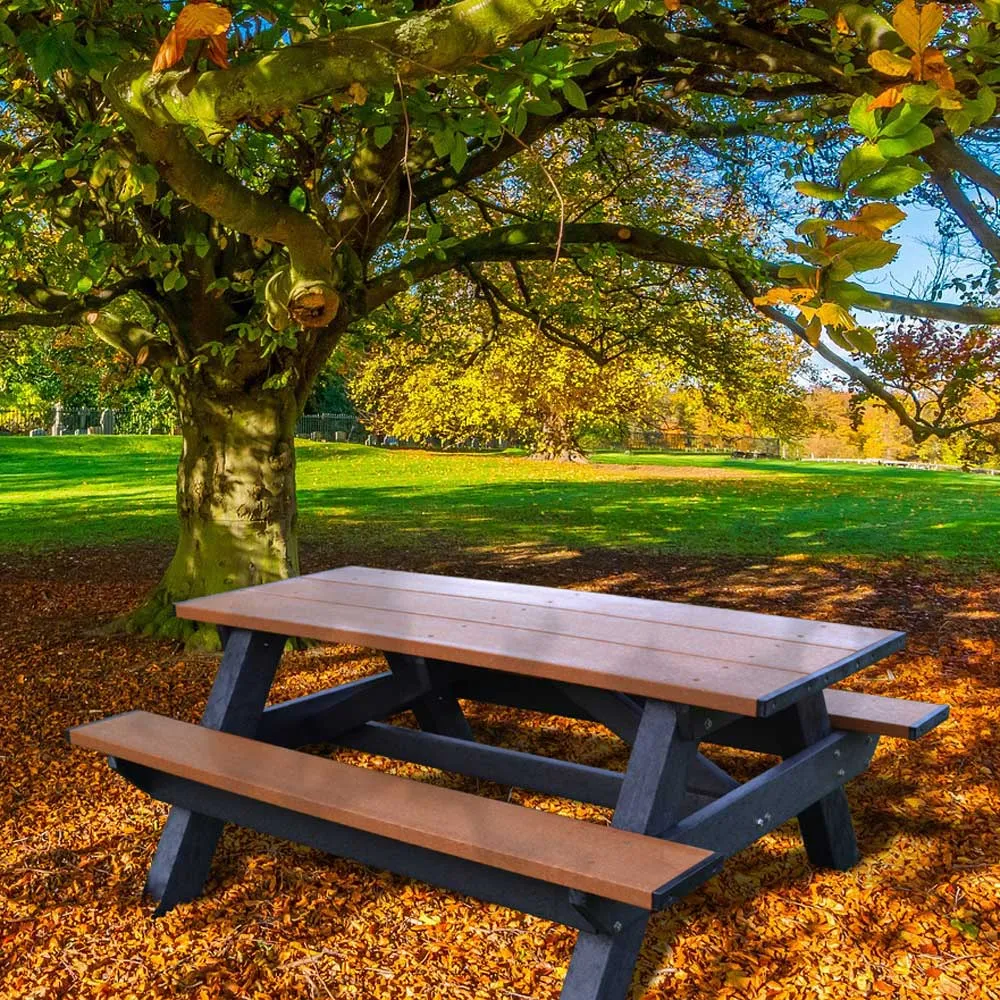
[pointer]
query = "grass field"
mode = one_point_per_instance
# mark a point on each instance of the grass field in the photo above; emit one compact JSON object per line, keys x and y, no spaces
{"x":85,"y":491}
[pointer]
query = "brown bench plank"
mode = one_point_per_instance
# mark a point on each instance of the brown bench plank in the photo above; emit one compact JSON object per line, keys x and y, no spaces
{"x":703,"y":681}
{"x":612,"y":863}
{"x":872,"y":713}
{"x":691,"y":616}
{"x":784,"y":654}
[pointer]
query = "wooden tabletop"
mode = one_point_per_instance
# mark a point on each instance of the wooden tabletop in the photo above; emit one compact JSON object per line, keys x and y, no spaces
{"x":715,"y":658}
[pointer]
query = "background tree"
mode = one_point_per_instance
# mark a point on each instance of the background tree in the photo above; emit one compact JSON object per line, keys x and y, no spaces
{"x":353,"y":152}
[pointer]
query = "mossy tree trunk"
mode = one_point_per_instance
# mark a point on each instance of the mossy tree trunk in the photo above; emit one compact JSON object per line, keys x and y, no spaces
{"x":236,"y":500}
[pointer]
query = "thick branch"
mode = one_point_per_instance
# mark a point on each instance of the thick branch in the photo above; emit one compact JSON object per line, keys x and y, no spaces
{"x":312,"y":291}
{"x":426,"y":44}
{"x":541,"y":240}
{"x":967,"y":212}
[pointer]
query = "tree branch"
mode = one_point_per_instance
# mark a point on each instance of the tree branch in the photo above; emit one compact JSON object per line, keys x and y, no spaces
{"x":426,"y":44}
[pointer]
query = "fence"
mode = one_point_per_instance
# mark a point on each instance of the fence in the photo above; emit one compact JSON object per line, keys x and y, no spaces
{"x":350,"y":427}
{"x":60,"y":420}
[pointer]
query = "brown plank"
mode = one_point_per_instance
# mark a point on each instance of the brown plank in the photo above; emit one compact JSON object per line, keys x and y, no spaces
{"x":613,"y":863}
{"x":702,"y":681}
{"x":872,"y":713}
{"x":798,"y":656}
{"x":638,"y":608}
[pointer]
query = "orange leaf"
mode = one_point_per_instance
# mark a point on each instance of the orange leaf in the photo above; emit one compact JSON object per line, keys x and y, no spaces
{"x":196,"y":20}
{"x":933,"y":67}
{"x":887,"y":99}
{"x":218,"y":51}
{"x":672,"y":5}
{"x":203,"y":20}
{"x":170,"y":51}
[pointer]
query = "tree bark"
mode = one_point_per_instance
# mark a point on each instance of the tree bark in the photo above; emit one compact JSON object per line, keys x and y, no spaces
{"x":556,"y":440}
{"x":235,"y":502}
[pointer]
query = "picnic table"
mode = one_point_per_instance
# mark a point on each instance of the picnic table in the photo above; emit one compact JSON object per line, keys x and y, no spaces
{"x":665,"y":677}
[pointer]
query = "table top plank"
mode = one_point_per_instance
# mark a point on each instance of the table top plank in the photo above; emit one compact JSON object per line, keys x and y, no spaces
{"x":706,"y":680}
{"x":690,"y":616}
{"x":610,"y":862}
{"x":783,"y":654}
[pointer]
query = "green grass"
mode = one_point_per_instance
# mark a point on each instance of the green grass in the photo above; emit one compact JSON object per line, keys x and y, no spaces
{"x":85,"y":491}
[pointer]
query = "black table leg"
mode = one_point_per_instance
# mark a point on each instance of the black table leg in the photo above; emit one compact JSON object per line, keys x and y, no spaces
{"x":187,"y":845}
{"x":826,"y":826}
{"x":651,"y":800}
{"x":437,"y":711}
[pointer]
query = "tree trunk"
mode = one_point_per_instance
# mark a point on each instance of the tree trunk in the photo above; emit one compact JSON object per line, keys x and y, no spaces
{"x":556,"y":440}
{"x":235,"y":503}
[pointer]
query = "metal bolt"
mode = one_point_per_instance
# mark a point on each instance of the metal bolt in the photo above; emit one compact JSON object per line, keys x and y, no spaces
{"x":617,"y":927}
{"x":708,"y":724}
{"x":760,"y":821}
{"x":841,"y":773}
{"x":767,"y":816}
{"x":836,"y":753}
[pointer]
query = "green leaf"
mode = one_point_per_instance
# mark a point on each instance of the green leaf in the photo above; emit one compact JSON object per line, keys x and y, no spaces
{"x":825,"y":192}
{"x":864,"y":254}
{"x":202,"y":245}
{"x":916,"y":138}
{"x":459,"y":153}
{"x":84,"y":285}
{"x":864,"y":340}
{"x":862,"y":120}
{"x":890,"y":182}
{"x":383,"y":133}
{"x":852,"y":295}
{"x":860,"y":162}
{"x":801,"y":273}
{"x":298,"y":199}
{"x":982,"y":106}
{"x":170,"y":280}
{"x":808,"y":14}
{"x":902,"y":118}
{"x":574,"y":94}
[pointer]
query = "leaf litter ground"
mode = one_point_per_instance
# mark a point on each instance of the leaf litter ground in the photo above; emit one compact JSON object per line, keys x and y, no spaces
{"x":919,"y":917}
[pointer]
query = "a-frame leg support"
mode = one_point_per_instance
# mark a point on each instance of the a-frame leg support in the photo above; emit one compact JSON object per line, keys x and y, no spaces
{"x":826,"y":826}
{"x":437,"y":711}
{"x":651,"y":800}
{"x":187,"y":845}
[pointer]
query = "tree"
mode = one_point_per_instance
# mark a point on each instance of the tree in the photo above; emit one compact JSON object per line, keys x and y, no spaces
{"x":349,"y":154}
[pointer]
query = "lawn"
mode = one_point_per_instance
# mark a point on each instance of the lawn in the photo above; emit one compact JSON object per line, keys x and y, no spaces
{"x":85,"y":491}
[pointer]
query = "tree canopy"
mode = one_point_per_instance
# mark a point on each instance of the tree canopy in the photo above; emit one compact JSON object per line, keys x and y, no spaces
{"x":224,"y":214}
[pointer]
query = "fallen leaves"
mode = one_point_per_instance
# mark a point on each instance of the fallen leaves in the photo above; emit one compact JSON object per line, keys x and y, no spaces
{"x":199,"y":20}
{"x":918,"y":919}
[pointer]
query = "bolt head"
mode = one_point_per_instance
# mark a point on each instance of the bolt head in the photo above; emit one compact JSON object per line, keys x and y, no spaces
{"x":617,"y":927}
{"x":841,"y":772}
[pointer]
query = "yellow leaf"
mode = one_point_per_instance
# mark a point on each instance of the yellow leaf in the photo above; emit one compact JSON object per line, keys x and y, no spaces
{"x":357,"y":93}
{"x":917,"y":28}
{"x":672,"y":5}
{"x":889,"y":64}
{"x":872,"y":221}
{"x":841,"y":24}
{"x":832,"y":314}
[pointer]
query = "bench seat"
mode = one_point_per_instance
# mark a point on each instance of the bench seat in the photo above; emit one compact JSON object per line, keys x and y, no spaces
{"x":610,"y":863}
{"x":873,"y":713}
